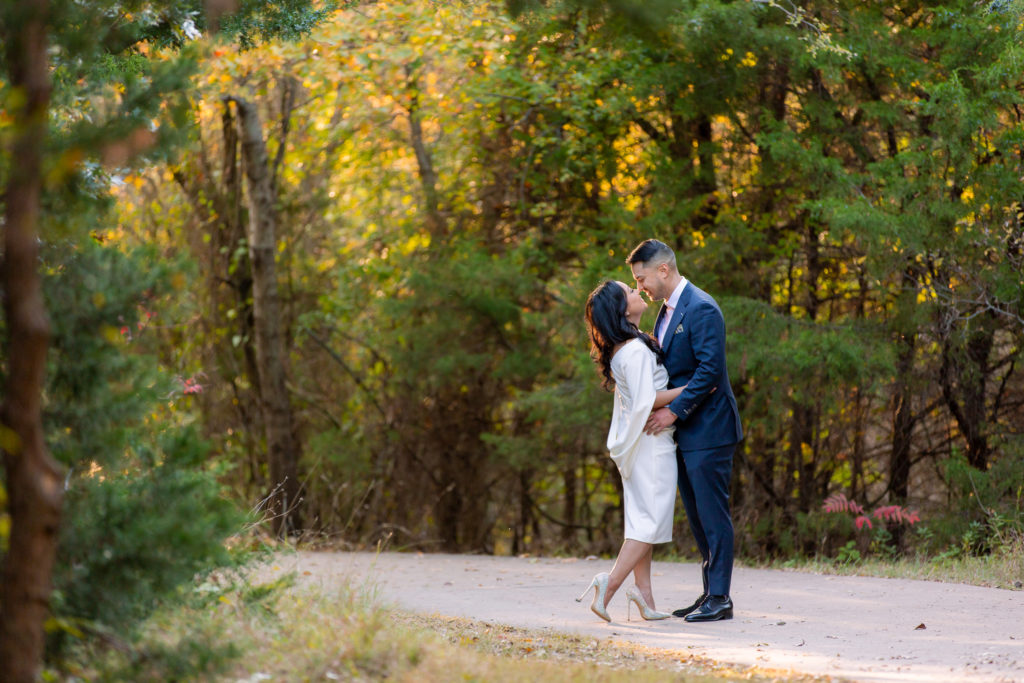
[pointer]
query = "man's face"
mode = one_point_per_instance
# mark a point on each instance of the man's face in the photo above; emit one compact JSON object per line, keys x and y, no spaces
{"x":651,"y":279}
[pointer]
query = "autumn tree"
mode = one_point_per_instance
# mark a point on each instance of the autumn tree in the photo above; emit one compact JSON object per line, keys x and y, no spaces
{"x":450,"y":183}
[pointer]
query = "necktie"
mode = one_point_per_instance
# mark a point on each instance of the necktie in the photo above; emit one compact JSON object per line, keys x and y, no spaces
{"x":663,"y":324}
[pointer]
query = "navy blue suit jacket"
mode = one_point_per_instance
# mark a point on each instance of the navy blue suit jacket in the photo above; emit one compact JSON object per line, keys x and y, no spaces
{"x":694,"y":348}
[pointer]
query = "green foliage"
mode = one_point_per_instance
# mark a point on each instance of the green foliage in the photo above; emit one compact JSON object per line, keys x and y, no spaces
{"x":849,"y":554}
{"x":988,"y":515}
{"x":455,"y":182}
{"x":645,"y":19}
{"x":794,"y":357}
{"x":101,"y":303}
{"x":143,"y":510}
{"x":256,"y":20}
{"x":882,"y":543}
{"x":133,"y":536}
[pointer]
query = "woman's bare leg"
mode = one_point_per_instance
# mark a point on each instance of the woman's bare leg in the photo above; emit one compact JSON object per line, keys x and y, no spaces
{"x":642,"y":577}
{"x":630,"y":555}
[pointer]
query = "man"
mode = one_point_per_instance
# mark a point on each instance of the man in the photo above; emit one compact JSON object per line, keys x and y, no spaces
{"x":691,"y":331}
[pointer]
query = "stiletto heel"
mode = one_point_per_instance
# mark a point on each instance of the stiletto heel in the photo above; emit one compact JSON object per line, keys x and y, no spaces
{"x":600,"y":585}
{"x":633,"y":595}
{"x":593,"y":582}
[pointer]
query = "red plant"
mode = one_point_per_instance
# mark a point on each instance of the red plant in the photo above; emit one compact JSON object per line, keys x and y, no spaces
{"x":898,"y":514}
{"x":191,"y":385}
{"x":838,"y":502}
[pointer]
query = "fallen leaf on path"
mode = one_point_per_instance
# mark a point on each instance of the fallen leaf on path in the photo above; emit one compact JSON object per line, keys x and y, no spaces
{"x":920,"y":627}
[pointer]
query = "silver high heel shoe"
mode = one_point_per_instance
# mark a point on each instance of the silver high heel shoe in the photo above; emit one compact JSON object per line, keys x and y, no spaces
{"x":600,"y":585}
{"x":633,"y":595}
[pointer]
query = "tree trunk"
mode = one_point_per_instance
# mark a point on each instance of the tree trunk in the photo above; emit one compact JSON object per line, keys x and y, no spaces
{"x":903,"y":415}
{"x":801,"y":455}
{"x":272,"y":357}
{"x":569,"y":501}
{"x":216,"y":202}
{"x":903,"y":422}
{"x":34,"y":481}
{"x":963,"y":377}
{"x":979,"y":348}
{"x":704,"y":218}
{"x":448,"y":512}
{"x":424,"y":161}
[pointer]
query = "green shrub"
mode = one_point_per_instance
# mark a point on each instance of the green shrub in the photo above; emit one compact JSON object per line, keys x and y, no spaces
{"x":144,"y":512}
{"x":988,"y":506}
{"x":130,"y":537}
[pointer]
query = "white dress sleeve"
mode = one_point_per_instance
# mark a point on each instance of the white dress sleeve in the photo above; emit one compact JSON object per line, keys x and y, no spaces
{"x":634,"y":395}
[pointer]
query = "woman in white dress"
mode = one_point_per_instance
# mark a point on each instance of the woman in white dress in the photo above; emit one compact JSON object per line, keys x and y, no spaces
{"x":630,"y":362}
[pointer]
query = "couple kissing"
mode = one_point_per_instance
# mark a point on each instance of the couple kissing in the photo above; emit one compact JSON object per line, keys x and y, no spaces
{"x":674,"y":424}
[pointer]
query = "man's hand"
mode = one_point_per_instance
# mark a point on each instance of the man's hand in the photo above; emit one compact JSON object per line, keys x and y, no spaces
{"x":660,"y":420}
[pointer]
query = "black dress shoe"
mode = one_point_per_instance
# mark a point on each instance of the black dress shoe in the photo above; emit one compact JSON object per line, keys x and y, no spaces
{"x":714,"y":608}
{"x":686,"y":610}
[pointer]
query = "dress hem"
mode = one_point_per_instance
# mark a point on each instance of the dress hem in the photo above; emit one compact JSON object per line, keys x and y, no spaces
{"x":640,"y":540}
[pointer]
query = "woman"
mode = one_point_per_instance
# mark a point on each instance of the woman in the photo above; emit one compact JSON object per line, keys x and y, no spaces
{"x":630,"y":362}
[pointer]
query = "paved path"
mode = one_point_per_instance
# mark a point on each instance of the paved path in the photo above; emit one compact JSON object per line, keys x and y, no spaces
{"x":854,"y":628}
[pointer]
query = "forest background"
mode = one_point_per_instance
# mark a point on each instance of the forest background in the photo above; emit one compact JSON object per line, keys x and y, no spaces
{"x":329,"y":266}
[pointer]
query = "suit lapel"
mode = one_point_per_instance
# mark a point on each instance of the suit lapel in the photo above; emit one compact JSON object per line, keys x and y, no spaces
{"x":677,"y":315}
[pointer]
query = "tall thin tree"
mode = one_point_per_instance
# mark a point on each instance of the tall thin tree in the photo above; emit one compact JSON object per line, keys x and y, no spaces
{"x":34,"y":481}
{"x":271,"y":355}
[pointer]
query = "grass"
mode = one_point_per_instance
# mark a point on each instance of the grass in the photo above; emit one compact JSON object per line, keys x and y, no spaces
{"x":232,"y":631}
{"x":1002,"y":569}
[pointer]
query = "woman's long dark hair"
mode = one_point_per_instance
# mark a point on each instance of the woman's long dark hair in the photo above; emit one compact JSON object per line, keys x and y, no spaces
{"x":608,"y":327}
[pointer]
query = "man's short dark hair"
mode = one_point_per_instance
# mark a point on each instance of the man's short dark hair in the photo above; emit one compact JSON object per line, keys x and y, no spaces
{"x":652,"y":251}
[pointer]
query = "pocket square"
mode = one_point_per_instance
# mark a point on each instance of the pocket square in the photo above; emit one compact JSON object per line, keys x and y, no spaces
{"x":678,"y":329}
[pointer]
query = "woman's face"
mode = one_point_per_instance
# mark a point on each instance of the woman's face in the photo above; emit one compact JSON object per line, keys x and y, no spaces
{"x":635,"y":304}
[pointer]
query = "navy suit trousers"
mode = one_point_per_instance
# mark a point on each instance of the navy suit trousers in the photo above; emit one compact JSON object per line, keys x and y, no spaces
{"x":704,"y":486}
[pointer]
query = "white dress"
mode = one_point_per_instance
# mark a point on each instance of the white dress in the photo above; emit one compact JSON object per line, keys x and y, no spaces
{"x":647,"y":463}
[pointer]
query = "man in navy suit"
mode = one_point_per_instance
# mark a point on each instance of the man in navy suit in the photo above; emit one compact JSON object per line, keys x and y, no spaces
{"x":691,"y":331}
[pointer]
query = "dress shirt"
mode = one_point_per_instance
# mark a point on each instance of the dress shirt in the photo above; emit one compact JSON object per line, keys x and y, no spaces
{"x":670,"y":306}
